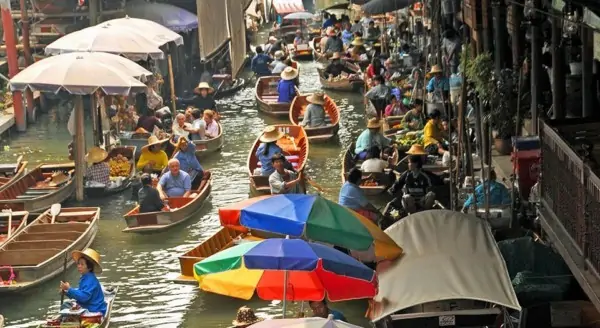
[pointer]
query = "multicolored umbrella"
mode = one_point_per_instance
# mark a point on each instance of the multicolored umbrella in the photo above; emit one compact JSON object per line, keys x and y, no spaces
{"x":311,"y":217}
{"x":300,"y":270}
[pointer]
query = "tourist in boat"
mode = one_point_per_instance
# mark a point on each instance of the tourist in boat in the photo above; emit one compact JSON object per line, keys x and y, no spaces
{"x":181,"y":126}
{"x":438,"y":85}
{"x":347,"y":35}
{"x":211,"y":125}
{"x":175,"y":182}
{"x":433,"y":134}
{"x":333,"y":44}
{"x":153,"y":158}
{"x":244,"y":318}
{"x":395,"y":108}
{"x":148,"y":196}
{"x":375,"y":68}
{"x":414,"y":120}
{"x":282,"y":180}
{"x":374,"y":163}
{"x":286,"y":87}
{"x":268,"y":148}
{"x":320,"y":309}
{"x":202,"y":99}
{"x":98,"y":172}
{"x":260,"y":63}
{"x":314,"y":115}
{"x":352,"y":197}
{"x":299,"y":39}
{"x":357,"y":26}
{"x":370,"y":137}
{"x":373,"y":32}
{"x":186,"y":155}
{"x":336,"y":67}
{"x":270,"y":42}
{"x":278,"y":64}
{"x":279,"y":45}
{"x":498,"y":196}
{"x":89,"y":295}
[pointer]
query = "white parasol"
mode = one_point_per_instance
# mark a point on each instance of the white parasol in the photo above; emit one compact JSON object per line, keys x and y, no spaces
{"x":304,"y":323}
{"x":152,"y":30}
{"x":107,"y":38}
{"x":303,"y":15}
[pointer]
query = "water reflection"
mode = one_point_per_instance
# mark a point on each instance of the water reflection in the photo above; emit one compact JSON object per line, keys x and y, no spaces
{"x":140,"y":265}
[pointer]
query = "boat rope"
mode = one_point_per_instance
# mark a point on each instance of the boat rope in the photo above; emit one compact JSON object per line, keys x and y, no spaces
{"x":11,"y":277}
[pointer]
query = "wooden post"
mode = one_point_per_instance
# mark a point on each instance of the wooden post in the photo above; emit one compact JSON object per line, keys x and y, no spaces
{"x":93,"y":12}
{"x":28,"y":58}
{"x":79,"y":148}
{"x":517,"y":38}
{"x":536,"y":69}
{"x":485,"y":24}
{"x":172,"y":84}
{"x":13,"y":66}
{"x":95,"y":118}
{"x":587,"y":74}
{"x":558,"y":73}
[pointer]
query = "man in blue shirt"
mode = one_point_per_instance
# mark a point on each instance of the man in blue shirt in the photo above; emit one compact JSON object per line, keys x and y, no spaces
{"x":499,"y":194}
{"x":286,"y":88}
{"x":320,"y":309}
{"x":175,"y":183}
{"x":260,"y":63}
{"x":347,"y":35}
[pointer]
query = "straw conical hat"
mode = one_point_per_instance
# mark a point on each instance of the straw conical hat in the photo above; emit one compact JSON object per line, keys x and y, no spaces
{"x":358,"y":41}
{"x":374,"y":123}
{"x":90,"y":255}
{"x":289,"y":73}
{"x":416,"y":149}
{"x":96,"y":155}
{"x":58,"y":178}
{"x":271,"y":134}
{"x":245,"y":316}
{"x":153,"y":140}
{"x":316,"y":98}
{"x":435,"y":69}
{"x":203,"y":85}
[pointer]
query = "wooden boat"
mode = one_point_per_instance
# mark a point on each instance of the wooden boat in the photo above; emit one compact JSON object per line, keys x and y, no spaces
{"x":11,"y":172}
{"x":110,"y":294}
{"x":231,"y":89}
{"x":33,"y":194}
{"x":266,"y":97}
{"x":296,"y":148}
{"x":301,"y":52}
{"x":378,"y":183}
{"x":388,"y":124}
{"x":332,"y":119}
{"x":125,"y":175}
{"x":138,"y":140}
{"x":37,"y":253}
{"x":18,"y":221}
{"x":210,"y":145}
{"x":182,"y":209}
{"x":354,"y":83}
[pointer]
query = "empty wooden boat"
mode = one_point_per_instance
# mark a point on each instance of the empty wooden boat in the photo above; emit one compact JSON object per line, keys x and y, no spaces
{"x":228,"y":89}
{"x":267,"y":95}
{"x":332,"y":119}
{"x":210,"y":145}
{"x":372,"y":183}
{"x":182,"y":209}
{"x":390,"y":125}
{"x":37,"y":191}
{"x":11,"y":172}
{"x":295,"y":146}
{"x":37,"y":253}
{"x":352,"y":83}
{"x":11,"y":223}
{"x":122,"y":171}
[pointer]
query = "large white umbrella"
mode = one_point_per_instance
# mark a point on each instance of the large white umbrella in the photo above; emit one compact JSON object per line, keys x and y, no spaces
{"x":106,"y":38}
{"x":152,"y":30}
{"x":304,"y":323}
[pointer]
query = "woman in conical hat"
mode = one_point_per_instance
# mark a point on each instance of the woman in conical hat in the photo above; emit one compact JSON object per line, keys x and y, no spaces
{"x":89,"y":294}
{"x":438,"y":85}
{"x":98,"y":171}
{"x":268,"y":148}
{"x":202,"y":99}
{"x":370,"y":137}
{"x":153,"y":158}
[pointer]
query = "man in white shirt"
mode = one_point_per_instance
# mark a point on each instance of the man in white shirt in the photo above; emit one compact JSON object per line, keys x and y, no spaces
{"x":181,"y":127}
{"x":278,"y":64}
{"x":374,"y":163}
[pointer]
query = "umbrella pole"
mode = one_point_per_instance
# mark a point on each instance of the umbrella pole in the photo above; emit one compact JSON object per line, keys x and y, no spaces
{"x":79,"y":148}
{"x":285,"y":283}
{"x":172,"y":84}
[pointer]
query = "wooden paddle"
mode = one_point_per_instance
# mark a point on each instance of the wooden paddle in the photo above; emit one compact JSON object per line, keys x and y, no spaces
{"x":9,"y":223}
{"x":19,"y":160}
{"x":54,"y":211}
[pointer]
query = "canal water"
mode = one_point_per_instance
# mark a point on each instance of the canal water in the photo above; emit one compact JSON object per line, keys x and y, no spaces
{"x":142,"y":265}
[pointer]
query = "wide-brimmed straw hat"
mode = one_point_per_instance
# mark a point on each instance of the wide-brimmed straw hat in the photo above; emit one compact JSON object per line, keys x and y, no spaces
{"x":96,"y":155}
{"x":289,"y":73}
{"x":153,"y":140}
{"x":435,"y":69}
{"x":373,"y":123}
{"x":336,"y":55}
{"x":245,"y":316}
{"x":416,"y":149}
{"x":278,"y":54}
{"x":141,"y":131}
{"x":58,"y":178}
{"x":316,"y":98}
{"x":358,"y":41}
{"x":271,"y":134}
{"x":203,"y":85}
{"x":91,"y":255}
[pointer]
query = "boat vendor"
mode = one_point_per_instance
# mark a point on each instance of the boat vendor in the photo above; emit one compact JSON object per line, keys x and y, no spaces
{"x":395,"y":108}
{"x":181,"y":126}
{"x":438,"y":86}
{"x":352,"y":197}
{"x":267,"y":149}
{"x":260,"y":63}
{"x":175,"y":182}
{"x":347,"y":35}
{"x":89,"y":295}
{"x":370,"y":137}
{"x":414,"y":119}
{"x":498,"y":196}
{"x":202,"y":99}
{"x":415,"y":183}
{"x":314,"y":115}
{"x":433,"y":134}
{"x":153,"y":158}
{"x":320,"y":309}
{"x":375,"y":68}
{"x":334,"y":43}
{"x":99,"y":171}
{"x":278,"y":64}
{"x":186,"y":155}
{"x":282,"y":180}
{"x":372,"y":32}
{"x":286,"y":87}
{"x":336,"y":67}
{"x":299,"y":39}
{"x":244,"y":318}
{"x":148,"y":196}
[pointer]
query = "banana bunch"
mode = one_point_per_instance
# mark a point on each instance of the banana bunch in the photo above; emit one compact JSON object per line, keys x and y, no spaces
{"x":119,"y":166}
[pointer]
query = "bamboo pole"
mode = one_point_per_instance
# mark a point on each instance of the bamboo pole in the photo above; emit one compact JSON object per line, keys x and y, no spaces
{"x":172,"y":84}
{"x":79,"y":148}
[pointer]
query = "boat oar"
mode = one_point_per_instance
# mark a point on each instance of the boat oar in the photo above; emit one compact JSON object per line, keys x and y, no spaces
{"x":54,"y":211}
{"x":315,"y":185}
{"x":19,"y":160}
{"x":9,"y":223}
{"x":62,"y":294}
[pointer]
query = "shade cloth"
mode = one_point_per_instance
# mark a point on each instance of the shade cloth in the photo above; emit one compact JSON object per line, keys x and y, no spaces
{"x":447,"y":255}
{"x":237,"y":28}
{"x":283,"y":7}
{"x":170,"y":16}
{"x":212,"y":33}
{"x":375,"y":7}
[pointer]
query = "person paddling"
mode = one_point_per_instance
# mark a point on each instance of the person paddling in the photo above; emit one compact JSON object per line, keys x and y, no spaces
{"x":89,"y":295}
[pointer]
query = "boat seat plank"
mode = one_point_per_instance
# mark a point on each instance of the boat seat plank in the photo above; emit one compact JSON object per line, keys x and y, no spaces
{"x":7,"y":167}
{"x":38,"y":244}
{"x":68,"y":235}
{"x":82,"y":213}
{"x":14,"y":214}
{"x":58,"y":227}
{"x":37,"y":192}
{"x":26,"y":257}
{"x":27,"y":196}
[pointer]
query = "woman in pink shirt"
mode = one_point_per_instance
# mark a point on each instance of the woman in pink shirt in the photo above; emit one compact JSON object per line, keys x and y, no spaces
{"x":396,"y":108}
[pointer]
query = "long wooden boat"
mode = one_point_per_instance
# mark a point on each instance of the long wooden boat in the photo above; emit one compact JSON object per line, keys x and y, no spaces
{"x":37,"y":253}
{"x":266,"y":97}
{"x":346,"y":84}
{"x":32,"y":193}
{"x":389,"y":125}
{"x":122,"y":171}
{"x":294,"y":144}
{"x":182,"y":209}
{"x":332,"y":119}
{"x":11,"y":172}
{"x":378,"y":183}
{"x":210,"y":145}
{"x":18,"y":221}
{"x":229,"y":90}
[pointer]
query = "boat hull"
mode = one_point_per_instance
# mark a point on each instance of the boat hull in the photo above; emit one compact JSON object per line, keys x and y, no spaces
{"x":354,"y":84}
{"x":322,"y":133}
{"x":127,"y":151}
{"x":237,"y":85}
{"x":266,"y":97}
{"x":210,"y":145}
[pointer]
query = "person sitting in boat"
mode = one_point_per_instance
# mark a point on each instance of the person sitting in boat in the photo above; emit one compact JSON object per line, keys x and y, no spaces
{"x":416,"y":182}
{"x":286,"y":87}
{"x":175,"y":182}
{"x":498,"y":196}
{"x":299,"y":39}
{"x":279,"y":45}
{"x":358,"y":48}
{"x":99,"y":171}
{"x":207,"y":127}
{"x":244,"y":318}
{"x":321,"y":310}
{"x":370,"y":137}
{"x":347,"y":35}
{"x":89,"y":295}
{"x":438,"y":86}
{"x":152,"y":157}
{"x":314,"y":115}
{"x":260,"y":63}
{"x":395,"y":108}
{"x":181,"y":126}
{"x":373,"y":32}
{"x":268,"y":148}
{"x":270,"y":42}
{"x":333,"y":44}
{"x":354,"y":198}
{"x":375,"y":68}
{"x":147,"y":120}
{"x":374,"y":163}
{"x":148,"y":196}
{"x":433,"y":134}
{"x":282,"y":180}
{"x":278,"y":64}
{"x":329,"y":20}
{"x":414,"y":119}
{"x":336,"y":67}
{"x":324,"y":38}
{"x":186,"y":155}
{"x":202,"y":99}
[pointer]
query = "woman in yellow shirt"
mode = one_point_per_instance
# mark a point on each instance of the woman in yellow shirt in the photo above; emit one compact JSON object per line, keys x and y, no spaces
{"x":433,"y":135}
{"x":153,"y":158}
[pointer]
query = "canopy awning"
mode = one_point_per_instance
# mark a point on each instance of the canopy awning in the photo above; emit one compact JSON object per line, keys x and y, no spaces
{"x":447,"y":255}
{"x":170,"y":16}
{"x":287,"y":6}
